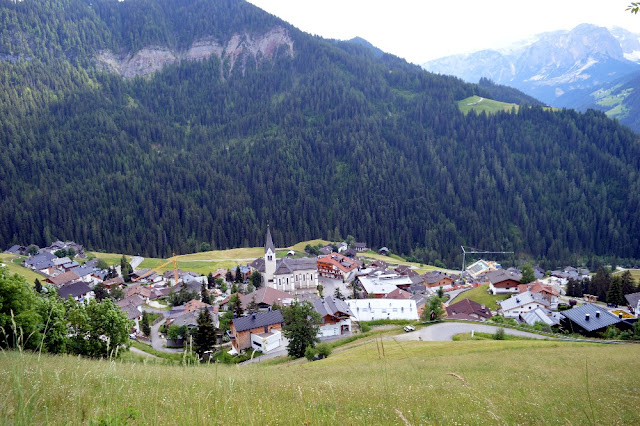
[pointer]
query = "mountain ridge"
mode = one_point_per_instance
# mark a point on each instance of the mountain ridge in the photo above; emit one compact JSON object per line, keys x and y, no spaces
{"x":330,"y":141}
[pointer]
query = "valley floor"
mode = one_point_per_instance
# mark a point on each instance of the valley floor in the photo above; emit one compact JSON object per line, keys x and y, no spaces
{"x":373,"y":382}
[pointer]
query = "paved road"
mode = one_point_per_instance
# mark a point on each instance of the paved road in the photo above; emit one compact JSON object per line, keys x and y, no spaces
{"x":141,"y":352}
{"x":282,"y":349}
{"x":136,"y":261}
{"x":446,"y":330}
{"x":455,"y":293}
{"x":157,"y":343}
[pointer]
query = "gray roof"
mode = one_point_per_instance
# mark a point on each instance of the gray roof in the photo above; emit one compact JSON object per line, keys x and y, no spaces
{"x":82,"y":271}
{"x":74,"y":290}
{"x":578,"y":315}
{"x":632,"y":299}
{"x":39,"y":258}
{"x":502,"y":275}
{"x":288,"y":266}
{"x":521,"y":300}
{"x":190,"y":319}
{"x":257,"y":320}
{"x":542,"y":315}
{"x":16,"y":249}
{"x":331,"y":306}
{"x":269,"y":241}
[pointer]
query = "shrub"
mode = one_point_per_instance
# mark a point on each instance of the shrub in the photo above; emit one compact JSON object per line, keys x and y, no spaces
{"x":365,"y":327}
{"x":499,"y":334}
{"x":310,"y":353}
{"x":323,"y":349}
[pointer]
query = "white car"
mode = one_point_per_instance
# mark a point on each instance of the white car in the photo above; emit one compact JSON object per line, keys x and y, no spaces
{"x":409,"y":328}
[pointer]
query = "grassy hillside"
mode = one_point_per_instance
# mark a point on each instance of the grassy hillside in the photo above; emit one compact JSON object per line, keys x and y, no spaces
{"x":469,"y":382}
{"x":9,"y":261}
{"x":480,"y":295}
{"x":479,"y":104}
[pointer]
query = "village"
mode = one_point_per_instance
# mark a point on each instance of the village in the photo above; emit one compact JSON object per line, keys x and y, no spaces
{"x":343,"y":286}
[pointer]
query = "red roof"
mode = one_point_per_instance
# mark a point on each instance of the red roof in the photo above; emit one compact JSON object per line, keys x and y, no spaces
{"x":398,"y":293}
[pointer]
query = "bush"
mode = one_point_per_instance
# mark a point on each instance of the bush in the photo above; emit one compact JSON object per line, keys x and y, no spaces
{"x":323,"y":349}
{"x":499,"y":334}
{"x":365,"y":327}
{"x":310,"y":353}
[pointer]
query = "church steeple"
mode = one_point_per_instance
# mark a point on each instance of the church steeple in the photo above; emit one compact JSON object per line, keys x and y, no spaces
{"x":269,"y":242}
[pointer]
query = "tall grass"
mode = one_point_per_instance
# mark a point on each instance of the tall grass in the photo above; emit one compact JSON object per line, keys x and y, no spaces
{"x":472,"y":382}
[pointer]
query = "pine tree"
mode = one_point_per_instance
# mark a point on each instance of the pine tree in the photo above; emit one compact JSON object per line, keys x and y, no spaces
{"x":239,"y":277}
{"x":205,"y":336}
{"x":253,"y":305}
{"x":235,"y":305}
{"x":38,"y":285}
{"x":211,"y":281}
{"x":256,"y":279}
{"x":229,"y":276}
{"x":628,"y":284}
{"x":614,"y":295}
{"x":145,"y":327}
{"x":204,"y":293}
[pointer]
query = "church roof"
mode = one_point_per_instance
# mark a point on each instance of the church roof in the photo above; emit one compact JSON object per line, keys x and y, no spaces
{"x":289,"y":266}
{"x":269,"y":242}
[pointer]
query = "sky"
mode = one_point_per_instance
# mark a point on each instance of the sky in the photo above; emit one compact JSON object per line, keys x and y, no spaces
{"x":421,"y":30}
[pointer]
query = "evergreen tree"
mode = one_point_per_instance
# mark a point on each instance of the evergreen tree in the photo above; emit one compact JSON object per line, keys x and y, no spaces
{"x":320,"y":289}
{"x":235,"y":305}
{"x":252,"y":306}
{"x":599,"y":285}
{"x":38,"y":286}
{"x":239,"y":277}
{"x":338,"y":294}
{"x":211,"y":281}
{"x":628,"y":284}
{"x":614,"y":294}
{"x":204,"y":293}
{"x":205,"y":336}
{"x":354,"y":289}
{"x":301,"y":325}
{"x":527,"y":275}
{"x":145,"y":327}
{"x":229,"y":276}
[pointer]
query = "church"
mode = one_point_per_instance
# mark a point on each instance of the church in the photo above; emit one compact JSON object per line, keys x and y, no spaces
{"x":286,"y":274}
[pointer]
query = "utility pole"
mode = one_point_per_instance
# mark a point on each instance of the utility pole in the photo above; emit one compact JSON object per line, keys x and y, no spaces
{"x":476,"y":251}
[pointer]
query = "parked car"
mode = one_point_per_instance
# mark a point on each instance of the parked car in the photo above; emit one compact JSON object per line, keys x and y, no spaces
{"x":409,"y":328}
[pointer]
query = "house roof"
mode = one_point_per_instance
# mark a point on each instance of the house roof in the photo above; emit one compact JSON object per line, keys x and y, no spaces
{"x":343,"y":263}
{"x":15,"y":249}
{"x":383,"y":283}
{"x":434,"y":277}
{"x":190,"y":318}
{"x":63,"y":278}
{"x":82,"y":271}
{"x":268,"y":245}
{"x":521,"y":300}
{"x":134,"y":300}
{"x":195,"y":305}
{"x":74,"y":290}
{"x":331,"y":306}
{"x":538,"y":287}
{"x":114,"y":281}
{"x":266,"y":296}
{"x":632,"y":299}
{"x":467,"y":307}
{"x":39,"y":258}
{"x":131,"y":311}
{"x":542,"y":315}
{"x":499,"y":276}
{"x":289,"y":266}
{"x":259,"y":319}
{"x":360,"y":245}
{"x":578,"y":315}
{"x":398,"y":293}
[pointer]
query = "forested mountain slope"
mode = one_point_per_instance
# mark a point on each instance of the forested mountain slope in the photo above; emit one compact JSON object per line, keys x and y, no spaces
{"x":318,"y":138}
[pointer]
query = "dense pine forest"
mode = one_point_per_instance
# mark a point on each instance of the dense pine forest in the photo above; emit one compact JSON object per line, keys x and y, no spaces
{"x":331,"y":139}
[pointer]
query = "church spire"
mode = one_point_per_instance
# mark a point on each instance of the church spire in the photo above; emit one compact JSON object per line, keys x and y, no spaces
{"x":269,"y":242}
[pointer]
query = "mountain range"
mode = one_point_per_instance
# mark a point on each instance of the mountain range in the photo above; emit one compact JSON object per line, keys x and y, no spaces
{"x":587,"y":67}
{"x":160,"y":126}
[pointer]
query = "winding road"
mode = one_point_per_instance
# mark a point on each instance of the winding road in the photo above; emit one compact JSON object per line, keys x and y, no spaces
{"x":445,"y":331}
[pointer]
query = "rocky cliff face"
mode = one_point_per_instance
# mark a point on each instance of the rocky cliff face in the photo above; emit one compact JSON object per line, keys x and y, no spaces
{"x":236,"y":53}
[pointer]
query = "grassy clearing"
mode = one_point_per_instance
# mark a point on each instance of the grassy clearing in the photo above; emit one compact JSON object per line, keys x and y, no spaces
{"x":635,"y":274}
{"x":394,"y":259}
{"x":485,"y":336}
{"x":482,"y":296}
{"x":15,"y":268}
{"x":489,"y":106}
{"x":439,"y":382}
{"x":110,"y":258}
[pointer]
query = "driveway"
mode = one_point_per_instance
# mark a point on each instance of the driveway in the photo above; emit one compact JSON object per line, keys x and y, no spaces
{"x":158,"y":343}
{"x":455,"y":293}
{"x":445,"y":331}
{"x":330,"y":286}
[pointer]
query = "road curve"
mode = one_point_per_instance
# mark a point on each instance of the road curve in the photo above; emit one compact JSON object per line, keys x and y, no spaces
{"x":446,"y":330}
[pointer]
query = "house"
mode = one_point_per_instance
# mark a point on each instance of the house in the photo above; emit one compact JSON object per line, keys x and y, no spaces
{"x":134,"y":301}
{"x":64,"y":278}
{"x":78,"y":291}
{"x":406,"y":270}
{"x":540,"y":315}
{"x":378,"y":264}
{"x":375,"y":309}
{"x":342,"y":247}
{"x":286,"y":274}
{"x":481,"y":267}
{"x":261,"y":331}
{"x":323,"y":251}
{"x":33,"y":261}
{"x":336,"y":316}
{"x":633,"y":301}
{"x":468,"y":310}
{"x":113,"y":282}
{"x":189,"y":317}
{"x":589,"y":319}
{"x":17,"y":249}
{"x":59,"y":262}
{"x":547,"y":292}
{"x":361,"y":247}
{"x":522,"y":303}
{"x":86,"y":275}
{"x":421,"y":302}
{"x":66,"y":245}
{"x":337,"y":266}
{"x":379,"y":284}
{"x":501,"y":282}
{"x":434,"y":279}
{"x":265,"y":298}
{"x":351,"y":253}
{"x":384,"y":251}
